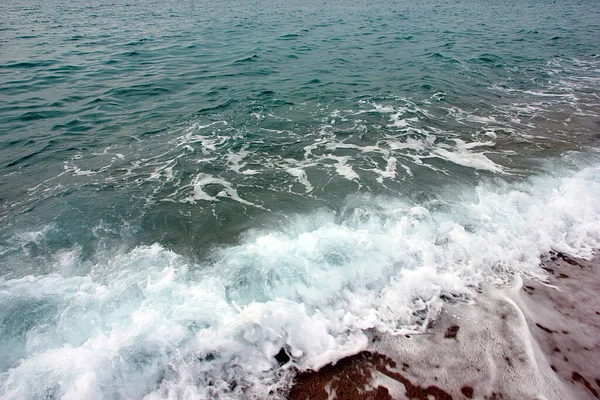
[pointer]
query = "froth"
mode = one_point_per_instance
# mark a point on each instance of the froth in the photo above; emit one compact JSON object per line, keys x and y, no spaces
{"x":149,"y":323}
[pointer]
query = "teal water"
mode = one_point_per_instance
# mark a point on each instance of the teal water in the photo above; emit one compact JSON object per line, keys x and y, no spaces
{"x":188,"y":187}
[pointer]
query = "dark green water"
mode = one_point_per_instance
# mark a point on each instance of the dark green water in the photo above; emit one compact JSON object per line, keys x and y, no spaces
{"x":188,"y":187}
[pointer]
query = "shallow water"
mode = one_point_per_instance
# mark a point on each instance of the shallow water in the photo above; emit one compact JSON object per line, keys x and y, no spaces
{"x":188,"y":187}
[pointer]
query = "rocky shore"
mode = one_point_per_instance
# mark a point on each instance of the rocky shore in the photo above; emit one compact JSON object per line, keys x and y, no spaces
{"x":533,"y":340}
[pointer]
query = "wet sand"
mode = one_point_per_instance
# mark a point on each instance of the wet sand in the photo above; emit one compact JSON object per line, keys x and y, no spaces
{"x":534,"y":340}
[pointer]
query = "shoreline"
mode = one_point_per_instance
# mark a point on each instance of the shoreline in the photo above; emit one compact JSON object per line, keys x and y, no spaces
{"x":529,"y":341}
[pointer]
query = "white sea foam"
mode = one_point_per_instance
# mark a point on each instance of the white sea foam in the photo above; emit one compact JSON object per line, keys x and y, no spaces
{"x":202,"y":180}
{"x":342,"y":168}
{"x":390,"y":170}
{"x":148,"y":323}
{"x":384,"y":139}
{"x":462,"y":155}
{"x":300,"y":174}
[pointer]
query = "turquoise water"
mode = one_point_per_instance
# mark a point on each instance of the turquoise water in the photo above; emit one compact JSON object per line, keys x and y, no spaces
{"x":188,"y":187}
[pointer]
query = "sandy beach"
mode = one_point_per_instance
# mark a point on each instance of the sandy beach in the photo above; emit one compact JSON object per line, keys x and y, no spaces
{"x":533,"y":340}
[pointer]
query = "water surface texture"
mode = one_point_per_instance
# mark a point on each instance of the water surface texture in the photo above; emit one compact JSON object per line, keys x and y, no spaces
{"x":187,"y":187}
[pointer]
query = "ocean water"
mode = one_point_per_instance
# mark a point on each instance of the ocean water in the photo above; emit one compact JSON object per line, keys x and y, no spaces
{"x":188,"y":187}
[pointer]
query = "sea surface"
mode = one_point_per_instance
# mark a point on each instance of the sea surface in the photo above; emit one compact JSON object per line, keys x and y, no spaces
{"x":189,"y":187}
